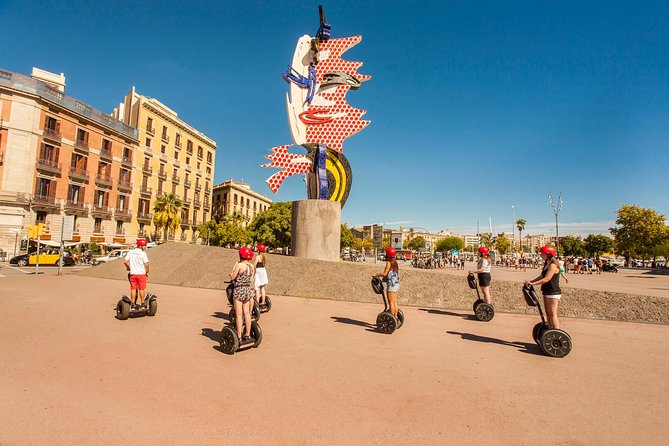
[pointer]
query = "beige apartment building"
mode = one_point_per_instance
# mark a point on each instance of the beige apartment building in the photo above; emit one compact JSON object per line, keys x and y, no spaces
{"x":173,"y":157}
{"x":60,"y":156}
{"x":232,"y":196}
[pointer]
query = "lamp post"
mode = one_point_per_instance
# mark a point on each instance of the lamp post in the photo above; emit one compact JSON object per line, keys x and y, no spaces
{"x":556,"y":210}
{"x":513,"y":229}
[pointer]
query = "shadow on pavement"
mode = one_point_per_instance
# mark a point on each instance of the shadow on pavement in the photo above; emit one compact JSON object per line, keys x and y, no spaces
{"x":524,"y":347}
{"x":469,"y":317}
{"x":214,"y":335}
{"x":221,"y":315}
{"x":349,"y":321}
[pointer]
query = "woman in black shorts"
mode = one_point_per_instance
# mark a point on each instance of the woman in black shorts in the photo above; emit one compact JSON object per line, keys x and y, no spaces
{"x":483,"y":272}
{"x":550,"y":284}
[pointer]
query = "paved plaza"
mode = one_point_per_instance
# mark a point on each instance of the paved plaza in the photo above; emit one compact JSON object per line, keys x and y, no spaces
{"x":73,"y":374}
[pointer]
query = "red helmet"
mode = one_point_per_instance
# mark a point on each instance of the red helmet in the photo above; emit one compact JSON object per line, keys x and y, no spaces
{"x":549,"y":250}
{"x":390,"y":252}
{"x":245,"y":253}
{"x":141,"y":242}
{"x":261,"y":248}
{"x":483,"y":250}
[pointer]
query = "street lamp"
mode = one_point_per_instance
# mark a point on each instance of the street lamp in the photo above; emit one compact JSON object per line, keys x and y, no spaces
{"x":556,"y":210}
{"x":513,"y":229}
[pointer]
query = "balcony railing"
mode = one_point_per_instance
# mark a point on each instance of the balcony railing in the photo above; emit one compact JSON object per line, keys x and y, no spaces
{"x":148,"y":150}
{"x":48,"y":165}
{"x":188,"y":168}
{"x":124,"y":185}
{"x":145,"y":190}
{"x":165,"y":138}
{"x":120,"y":231}
{"x":198,"y":187}
{"x":196,"y":204}
{"x":127,"y":160}
{"x":177,"y":143}
{"x":119,"y":213}
{"x":44,"y":201}
{"x":75,"y":205}
{"x":144,"y":216}
{"x":78,"y":174}
{"x":106,"y":154}
{"x":151,"y":130}
{"x":163,"y":157}
{"x":103,"y":179}
{"x":100,"y":210}
{"x":162,"y":175}
{"x":147,"y":169}
{"x":176,"y":179}
{"x":186,"y":202}
{"x":207,"y":192}
{"x":81,"y":145}
{"x":187,"y":183}
{"x":51,"y":134}
{"x":176,"y":162}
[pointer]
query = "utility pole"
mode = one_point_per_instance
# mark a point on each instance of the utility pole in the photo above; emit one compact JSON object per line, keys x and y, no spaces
{"x":513,"y":228}
{"x":556,"y":210}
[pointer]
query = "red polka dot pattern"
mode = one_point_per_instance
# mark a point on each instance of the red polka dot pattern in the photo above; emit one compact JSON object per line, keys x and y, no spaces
{"x":333,"y":133}
{"x":284,"y":160}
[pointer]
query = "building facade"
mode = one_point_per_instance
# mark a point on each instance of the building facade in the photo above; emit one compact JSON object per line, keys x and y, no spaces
{"x":60,"y":156}
{"x":232,"y":196}
{"x":173,"y":157}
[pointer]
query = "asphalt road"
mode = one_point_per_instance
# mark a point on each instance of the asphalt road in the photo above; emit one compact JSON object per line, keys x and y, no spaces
{"x":73,"y":374}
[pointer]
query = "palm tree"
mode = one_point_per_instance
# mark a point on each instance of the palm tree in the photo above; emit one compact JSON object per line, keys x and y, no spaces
{"x":167,"y":213}
{"x":520,"y":223}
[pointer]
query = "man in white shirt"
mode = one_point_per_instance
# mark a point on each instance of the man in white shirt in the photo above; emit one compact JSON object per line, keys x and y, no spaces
{"x":137,"y":262}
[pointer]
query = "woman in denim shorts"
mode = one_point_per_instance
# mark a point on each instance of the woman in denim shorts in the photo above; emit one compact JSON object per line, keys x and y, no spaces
{"x":391,"y":275}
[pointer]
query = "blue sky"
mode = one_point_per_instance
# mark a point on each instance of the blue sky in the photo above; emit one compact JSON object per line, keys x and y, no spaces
{"x":476,"y":106}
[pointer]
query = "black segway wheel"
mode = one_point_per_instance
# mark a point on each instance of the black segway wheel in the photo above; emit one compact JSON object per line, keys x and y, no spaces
{"x":229,"y":340}
{"x":255,"y":311}
{"x":484,"y":312}
{"x":400,"y":318}
{"x":229,"y":292}
{"x":268,"y":304}
{"x":153,"y":307}
{"x":386,"y":322}
{"x":122,"y":310}
{"x":537,"y":331}
{"x":256,"y":333}
{"x":232,"y":317}
{"x":555,"y":343}
{"x":476,"y":304}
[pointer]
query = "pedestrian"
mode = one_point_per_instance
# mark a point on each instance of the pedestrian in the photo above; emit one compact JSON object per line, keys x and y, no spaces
{"x":483,"y":273}
{"x":242,"y":277}
{"x":261,"y":280}
{"x":391,"y":275}
{"x":563,"y":271}
{"x":550,"y":284}
{"x":137,"y":264}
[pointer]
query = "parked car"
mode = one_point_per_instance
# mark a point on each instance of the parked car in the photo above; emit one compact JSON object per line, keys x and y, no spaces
{"x":114,"y":255}
{"x":48,"y":256}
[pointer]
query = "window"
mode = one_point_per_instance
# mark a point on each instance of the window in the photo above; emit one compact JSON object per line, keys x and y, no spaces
{"x":160,"y":185}
{"x":146,"y":162}
{"x":189,"y":147}
{"x":162,"y":168}
{"x":75,"y":194}
{"x":119,"y":226}
{"x":97,"y":228}
{"x":199,"y":152}
{"x":209,"y":157}
{"x":175,"y":173}
{"x":235,"y":200}
{"x":52,"y":126}
{"x":79,"y":162}
{"x":143,"y":206}
{"x":40,"y":217}
{"x":198,"y":165}
{"x":145,"y":181}
{"x":225,"y":196}
{"x":148,"y":143}
{"x":178,"y":140}
{"x":45,"y":188}
{"x":101,"y":198}
{"x":149,"y":124}
{"x":48,"y":153}
{"x":174,"y":189}
{"x":163,"y":148}
{"x":104,"y":168}
{"x":176,"y":155}
{"x":208,"y":170}
{"x":106,"y":145}
{"x":124,"y":175}
{"x":188,"y":160}
{"x":164,"y":132}
{"x":121,"y":203}
{"x":127,"y":153}
{"x":82,"y":136}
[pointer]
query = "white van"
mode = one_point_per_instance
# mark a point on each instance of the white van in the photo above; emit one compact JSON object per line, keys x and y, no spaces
{"x":114,"y":255}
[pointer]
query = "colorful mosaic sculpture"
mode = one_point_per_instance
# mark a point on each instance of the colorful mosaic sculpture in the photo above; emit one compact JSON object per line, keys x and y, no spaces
{"x":319,"y":116}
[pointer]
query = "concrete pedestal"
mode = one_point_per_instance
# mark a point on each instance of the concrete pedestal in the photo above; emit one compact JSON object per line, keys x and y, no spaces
{"x":316,"y":229}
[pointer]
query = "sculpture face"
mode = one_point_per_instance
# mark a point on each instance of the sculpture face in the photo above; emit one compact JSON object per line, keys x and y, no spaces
{"x":319,"y":116}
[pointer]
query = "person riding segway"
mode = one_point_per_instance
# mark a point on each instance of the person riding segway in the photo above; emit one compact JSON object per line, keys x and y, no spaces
{"x":137,"y":264}
{"x":483,"y":309}
{"x":391,"y":318}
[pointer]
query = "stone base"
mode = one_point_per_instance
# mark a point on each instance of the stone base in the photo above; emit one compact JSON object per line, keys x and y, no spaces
{"x":316,"y":229}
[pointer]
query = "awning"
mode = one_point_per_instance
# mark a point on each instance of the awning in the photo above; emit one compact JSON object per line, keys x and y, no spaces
{"x":55,"y":244}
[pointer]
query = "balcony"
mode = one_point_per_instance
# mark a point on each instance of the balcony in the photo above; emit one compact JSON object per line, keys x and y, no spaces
{"x":151,"y":131}
{"x":51,"y":134}
{"x":76,"y":207}
{"x":144,"y":217}
{"x":44,"y":202}
{"x":176,"y":179}
{"x":122,"y":214}
{"x":101,"y":211}
{"x":176,"y":163}
{"x":127,"y":161}
{"x":196,"y":204}
{"x":188,"y":168}
{"x":198,"y":173}
{"x":162,"y":174}
{"x":49,"y":166}
{"x":120,"y":231}
{"x":147,"y":169}
{"x":106,"y":154}
{"x":186,"y":202}
{"x":148,"y":150}
{"x":103,"y":179}
{"x":165,"y":138}
{"x":207,"y":192}
{"x":82,"y":146}
{"x":78,"y":174}
{"x":177,"y":143}
{"x":187,"y":184}
{"x":124,"y":185}
{"x":163,"y":157}
{"x":198,"y":187}
{"x":144,"y":190}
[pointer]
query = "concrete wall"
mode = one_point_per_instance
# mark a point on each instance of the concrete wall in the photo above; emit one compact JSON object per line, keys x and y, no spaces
{"x":316,"y":229}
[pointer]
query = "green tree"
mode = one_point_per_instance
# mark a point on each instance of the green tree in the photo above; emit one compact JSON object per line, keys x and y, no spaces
{"x":597,"y":244}
{"x":386,"y":241}
{"x":449,"y":243}
{"x":638,"y":231}
{"x":520,"y":224}
{"x":486,"y":239}
{"x":273,"y":227}
{"x":167,"y":213}
{"x":572,"y":246}
{"x":502,"y":244}
{"x":346,"y":239}
{"x":224,"y":233}
{"x":416,"y":243}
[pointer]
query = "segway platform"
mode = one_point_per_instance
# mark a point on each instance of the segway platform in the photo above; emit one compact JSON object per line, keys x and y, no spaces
{"x":552,"y":341}
{"x":482,"y":311}
{"x":125,"y":308}
{"x":385,"y":322}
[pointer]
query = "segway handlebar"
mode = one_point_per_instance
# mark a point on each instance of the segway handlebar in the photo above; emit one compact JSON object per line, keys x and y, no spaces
{"x":530,"y":295}
{"x":377,"y":285}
